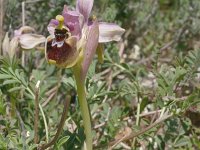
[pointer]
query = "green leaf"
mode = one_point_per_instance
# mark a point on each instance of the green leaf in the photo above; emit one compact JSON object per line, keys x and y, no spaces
{"x":32,"y":147}
{"x":105,"y":93}
{"x":68,"y":81}
{"x":17,"y":73}
{"x":10,"y":82}
{"x":62,"y":141}
{"x":11,"y":71}
{"x":15,"y":89}
{"x":4,"y":70}
{"x":91,"y":71}
{"x":143,"y":104}
{"x":5,"y":76}
{"x":2,"y":108}
{"x":101,"y":87}
{"x":22,"y":79}
{"x":183,"y":141}
{"x":3,"y":143}
{"x":108,"y":56}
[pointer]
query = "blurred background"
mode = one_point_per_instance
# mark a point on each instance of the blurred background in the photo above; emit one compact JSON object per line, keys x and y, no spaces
{"x":148,"y":84}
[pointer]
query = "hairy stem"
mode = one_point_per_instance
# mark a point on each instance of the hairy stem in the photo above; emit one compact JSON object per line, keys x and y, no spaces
{"x":83,"y":106}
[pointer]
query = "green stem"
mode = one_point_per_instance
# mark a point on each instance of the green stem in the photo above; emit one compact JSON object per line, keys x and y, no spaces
{"x":138,"y":114}
{"x":137,"y":121}
{"x":80,"y":83}
{"x":45,"y":123}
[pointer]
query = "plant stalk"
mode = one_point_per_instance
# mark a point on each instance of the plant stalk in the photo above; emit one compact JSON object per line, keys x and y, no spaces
{"x":80,"y":83}
{"x":36,"y":117}
{"x":2,"y":7}
{"x":23,"y":24}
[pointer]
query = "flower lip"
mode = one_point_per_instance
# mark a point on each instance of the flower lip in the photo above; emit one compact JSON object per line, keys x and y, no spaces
{"x":59,"y":54}
{"x":62,"y":53}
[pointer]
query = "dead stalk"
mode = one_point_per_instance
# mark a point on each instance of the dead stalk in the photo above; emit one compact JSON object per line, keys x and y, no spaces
{"x":133,"y":134}
{"x":36,"y":117}
{"x":1,"y":22}
{"x":23,"y":24}
{"x":60,"y":126}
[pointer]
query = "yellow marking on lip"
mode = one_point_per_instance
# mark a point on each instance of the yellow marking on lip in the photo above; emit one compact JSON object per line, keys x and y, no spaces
{"x":51,"y":61}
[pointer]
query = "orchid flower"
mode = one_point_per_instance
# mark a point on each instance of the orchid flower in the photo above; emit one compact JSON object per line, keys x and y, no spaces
{"x":74,"y":38}
{"x":83,"y":34}
{"x":25,"y":37}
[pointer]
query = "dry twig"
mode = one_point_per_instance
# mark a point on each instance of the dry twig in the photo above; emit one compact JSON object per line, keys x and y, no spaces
{"x":36,"y":139}
{"x":60,"y":126}
{"x":1,"y":21}
{"x":23,"y":24}
{"x":133,"y":134}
